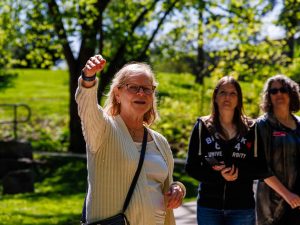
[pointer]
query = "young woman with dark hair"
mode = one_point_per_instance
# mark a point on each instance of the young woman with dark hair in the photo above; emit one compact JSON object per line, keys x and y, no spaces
{"x":223,"y":156}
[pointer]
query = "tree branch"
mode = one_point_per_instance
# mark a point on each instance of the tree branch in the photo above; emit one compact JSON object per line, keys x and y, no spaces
{"x":121,"y":50}
{"x":60,"y":31}
{"x":143,"y":52}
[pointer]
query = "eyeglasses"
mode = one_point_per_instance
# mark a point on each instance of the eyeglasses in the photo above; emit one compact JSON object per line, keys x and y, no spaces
{"x":274,"y":91}
{"x":133,"y":88}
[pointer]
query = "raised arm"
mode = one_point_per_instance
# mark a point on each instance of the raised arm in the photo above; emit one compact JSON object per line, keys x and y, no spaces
{"x":91,"y":114}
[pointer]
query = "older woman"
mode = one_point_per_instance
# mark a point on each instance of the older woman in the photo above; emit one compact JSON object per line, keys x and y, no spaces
{"x":279,"y":130}
{"x":114,"y":136}
{"x":223,"y":157}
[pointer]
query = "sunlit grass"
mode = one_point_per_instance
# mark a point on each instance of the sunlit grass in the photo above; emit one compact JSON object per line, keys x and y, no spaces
{"x":41,"y":209}
{"x":45,"y":91}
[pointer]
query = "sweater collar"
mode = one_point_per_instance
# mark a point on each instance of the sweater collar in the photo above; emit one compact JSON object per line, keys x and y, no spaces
{"x":153,"y":134}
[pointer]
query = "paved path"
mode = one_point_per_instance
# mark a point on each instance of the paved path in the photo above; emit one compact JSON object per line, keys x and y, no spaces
{"x":186,"y":214}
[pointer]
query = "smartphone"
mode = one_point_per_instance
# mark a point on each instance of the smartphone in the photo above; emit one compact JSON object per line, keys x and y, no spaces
{"x":213,"y":161}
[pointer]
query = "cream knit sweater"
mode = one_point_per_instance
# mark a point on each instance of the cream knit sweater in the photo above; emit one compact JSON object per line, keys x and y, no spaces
{"x":112,"y":161}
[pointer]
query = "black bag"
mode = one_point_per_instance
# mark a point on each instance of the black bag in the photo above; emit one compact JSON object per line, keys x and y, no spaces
{"x":121,"y":219}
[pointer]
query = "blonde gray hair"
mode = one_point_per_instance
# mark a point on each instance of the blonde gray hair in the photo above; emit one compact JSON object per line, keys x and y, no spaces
{"x":111,"y":105}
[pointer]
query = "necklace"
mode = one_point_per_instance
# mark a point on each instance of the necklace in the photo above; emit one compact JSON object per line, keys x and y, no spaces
{"x":135,"y":133}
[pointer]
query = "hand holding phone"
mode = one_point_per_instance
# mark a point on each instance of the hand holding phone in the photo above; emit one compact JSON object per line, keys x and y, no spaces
{"x":213,"y":161}
{"x":230,"y":173}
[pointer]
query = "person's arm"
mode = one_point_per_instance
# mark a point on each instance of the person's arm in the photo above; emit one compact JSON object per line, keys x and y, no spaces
{"x":292,"y":199}
{"x":90,"y":113}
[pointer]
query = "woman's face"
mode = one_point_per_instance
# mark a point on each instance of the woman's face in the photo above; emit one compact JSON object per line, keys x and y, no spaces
{"x":227,"y":97}
{"x":279,"y":96}
{"x":136,"y":96}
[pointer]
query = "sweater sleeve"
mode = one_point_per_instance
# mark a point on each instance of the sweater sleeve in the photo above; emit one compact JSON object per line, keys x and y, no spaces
{"x":196,"y":166}
{"x":93,"y":120}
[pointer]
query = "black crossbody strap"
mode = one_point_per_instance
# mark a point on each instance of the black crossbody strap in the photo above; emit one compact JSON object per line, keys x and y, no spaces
{"x":138,"y":170}
{"x":134,"y":180}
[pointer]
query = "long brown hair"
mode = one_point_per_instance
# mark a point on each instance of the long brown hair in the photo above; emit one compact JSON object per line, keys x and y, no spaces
{"x":239,"y":118}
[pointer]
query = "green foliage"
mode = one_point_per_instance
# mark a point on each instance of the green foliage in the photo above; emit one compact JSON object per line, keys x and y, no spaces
{"x":179,"y":102}
{"x":228,"y":38}
{"x":294,"y":70}
{"x":190,"y":183}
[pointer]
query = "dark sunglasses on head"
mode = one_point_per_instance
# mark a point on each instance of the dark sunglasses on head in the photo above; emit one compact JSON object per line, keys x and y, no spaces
{"x":274,"y":91}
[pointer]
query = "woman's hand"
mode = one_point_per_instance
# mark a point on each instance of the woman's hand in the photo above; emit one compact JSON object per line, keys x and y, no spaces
{"x":174,"y":196}
{"x":219,"y":167}
{"x":230,"y":173}
{"x":293,"y":200}
{"x":93,"y":65}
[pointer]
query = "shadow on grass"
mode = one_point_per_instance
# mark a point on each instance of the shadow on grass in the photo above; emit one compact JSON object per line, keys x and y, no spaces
{"x":57,"y":200}
{"x":62,"y":175}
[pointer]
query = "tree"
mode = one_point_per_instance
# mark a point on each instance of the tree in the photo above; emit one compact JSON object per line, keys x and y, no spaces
{"x":229,"y":41}
{"x":121,"y":32}
{"x":214,"y":32}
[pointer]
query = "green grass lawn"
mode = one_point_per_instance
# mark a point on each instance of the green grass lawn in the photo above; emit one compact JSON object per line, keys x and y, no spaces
{"x":45,"y":91}
{"x":41,"y":210}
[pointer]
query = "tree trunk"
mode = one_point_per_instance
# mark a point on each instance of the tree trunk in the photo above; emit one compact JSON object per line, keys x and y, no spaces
{"x":200,"y":52}
{"x":77,"y":143}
